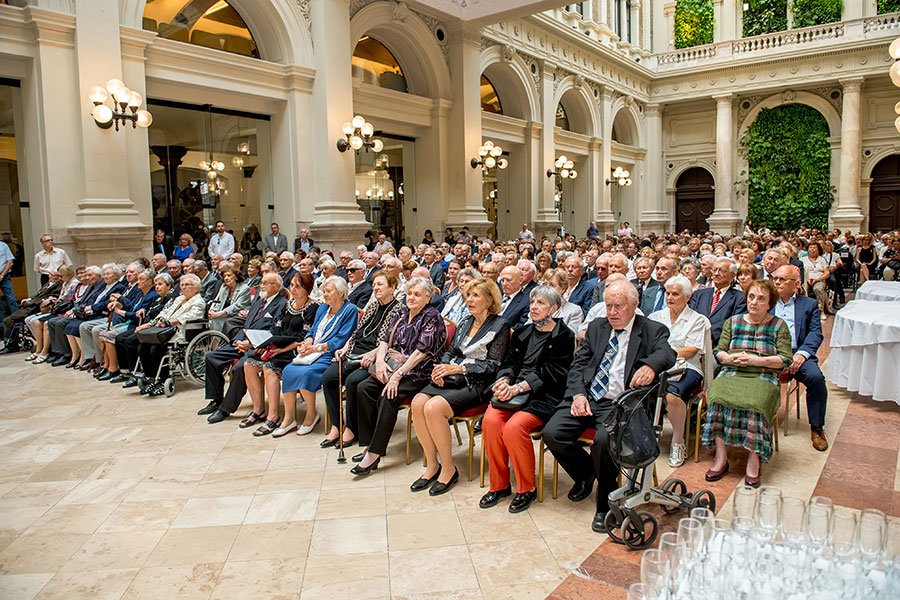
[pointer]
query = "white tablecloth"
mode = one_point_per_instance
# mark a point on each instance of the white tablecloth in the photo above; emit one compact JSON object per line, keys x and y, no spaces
{"x":879,"y":290}
{"x":865,"y":349}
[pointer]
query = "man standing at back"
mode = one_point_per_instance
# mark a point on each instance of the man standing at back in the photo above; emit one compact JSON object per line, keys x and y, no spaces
{"x":275,"y":242}
{"x":222,"y":243}
{"x":49,"y":259}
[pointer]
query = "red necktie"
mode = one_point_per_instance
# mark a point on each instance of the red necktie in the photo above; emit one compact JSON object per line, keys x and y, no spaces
{"x":715,"y":302}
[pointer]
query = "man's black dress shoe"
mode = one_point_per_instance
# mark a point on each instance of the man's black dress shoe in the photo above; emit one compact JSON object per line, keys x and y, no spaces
{"x":358,"y":457}
{"x":421,"y":483}
{"x":208,"y":409}
{"x":217,"y":417}
{"x":60,"y":361}
{"x":119,"y":378}
{"x":361,"y":470}
{"x":101,"y":375}
{"x":599,"y":524}
{"x":477,"y":427}
{"x":521,"y":502}
{"x":492,"y":498}
{"x":108,"y":376}
{"x":442,"y":488}
{"x":580,"y":491}
{"x":132,"y":382}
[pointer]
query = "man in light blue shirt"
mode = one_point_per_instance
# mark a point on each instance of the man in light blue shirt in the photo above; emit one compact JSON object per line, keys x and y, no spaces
{"x":6,"y":263}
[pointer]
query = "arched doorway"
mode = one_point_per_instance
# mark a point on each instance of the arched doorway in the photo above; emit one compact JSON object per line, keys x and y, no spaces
{"x":884,"y":195}
{"x":695,"y":199}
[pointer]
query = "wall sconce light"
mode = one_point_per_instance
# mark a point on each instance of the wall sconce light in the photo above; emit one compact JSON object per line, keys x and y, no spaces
{"x":357,"y":135}
{"x":564,"y":168}
{"x":125,"y":106}
{"x":489,"y":156}
{"x":620,"y":177}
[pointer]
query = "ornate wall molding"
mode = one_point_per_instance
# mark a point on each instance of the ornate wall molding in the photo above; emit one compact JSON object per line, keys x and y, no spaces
{"x":304,"y":6}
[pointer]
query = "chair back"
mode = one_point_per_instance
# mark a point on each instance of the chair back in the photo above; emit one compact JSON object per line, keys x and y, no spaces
{"x":451,"y":331}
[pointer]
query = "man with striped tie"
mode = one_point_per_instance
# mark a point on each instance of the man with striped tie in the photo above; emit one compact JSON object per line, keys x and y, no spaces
{"x":620,"y":351}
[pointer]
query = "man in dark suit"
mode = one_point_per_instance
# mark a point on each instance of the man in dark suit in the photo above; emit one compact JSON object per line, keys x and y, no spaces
{"x":275,"y":242}
{"x":643,"y":269}
{"x":601,"y":272}
{"x":341,"y":270}
{"x":28,"y":306}
{"x":721,"y":301}
{"x":620,"y":351}
{"x":262,"y":313}
{"x":434,"y":267}
{"x":209,"y":283}
{"x":579,"y":290}
{"x":56,"y":326}
{"x":160,"y":244}
{"x":515,"y":301}
{"x":303,"y":241}
{"x":653,"y":300}
{"x":529,"y":272}
{"x":360,"y":287}
{"x":801,"y":314}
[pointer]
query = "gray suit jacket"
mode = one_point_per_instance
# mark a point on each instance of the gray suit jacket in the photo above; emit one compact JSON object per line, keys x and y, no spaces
{"x":240,"y":299}
{"x":270,"y":245}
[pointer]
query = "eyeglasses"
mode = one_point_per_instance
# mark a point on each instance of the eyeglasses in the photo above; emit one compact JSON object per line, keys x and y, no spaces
{"x":714,"y":270}
{"x":784,"y":279}
{"x":353,"y":270}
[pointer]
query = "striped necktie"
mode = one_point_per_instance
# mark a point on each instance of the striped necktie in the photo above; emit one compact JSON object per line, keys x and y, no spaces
{"x":660,"y":298}
{"x":600,"y":384}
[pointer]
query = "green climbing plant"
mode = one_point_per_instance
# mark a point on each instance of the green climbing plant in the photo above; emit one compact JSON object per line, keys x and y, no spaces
{"x":789,"y":158}
{"x":694,"y":23}
{"x":765,"y":16}
{"x":816,"y":12}
{"x":888,"y":6}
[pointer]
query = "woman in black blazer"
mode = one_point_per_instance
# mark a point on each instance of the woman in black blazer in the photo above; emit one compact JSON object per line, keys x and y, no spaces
{"x":529,"y":387}
{"x":461,"y":380}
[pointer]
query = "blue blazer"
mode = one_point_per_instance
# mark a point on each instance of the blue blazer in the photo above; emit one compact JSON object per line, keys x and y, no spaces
{"x":347,"y":318}
{"x":132,"y":302}
{"x":516,"y":312}
{"x":582,"y":294}
{"x":807,"y":325}
{"x":650,"y":297}
{"x":733,"y":302}
{"x":98,"y":304}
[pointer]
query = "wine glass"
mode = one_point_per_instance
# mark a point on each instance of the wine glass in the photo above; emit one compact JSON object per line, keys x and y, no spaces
{"x":735,"y":544}
{"x":655,"y":570}
{"x":640,"y":591}
{"x":843,"y":532}
{"x":871,"y":538}
{"x":668,"y":542}
{"x":742,"y":525}
{"x":818,"y":522}
{"x":719,"y":528}
{"x":690,"y":533}
{"x":705,"y":516}
{"x":892,"y":545}
{"x":793,"y":513}
{"x":744,"y":501}
{"x":768,"y":511}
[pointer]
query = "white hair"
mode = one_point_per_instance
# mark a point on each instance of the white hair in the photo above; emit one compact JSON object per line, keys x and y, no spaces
{"x":424,"y":284}
{"x":623,"y":286}
{"x":189,"y":277}
{"x":732,"y":265}
{"x":683,"y":282}
{"x":95,"y":270}
{"x":356,"y":264}
{"x":114,"y":267}
{"x":340,"y":286}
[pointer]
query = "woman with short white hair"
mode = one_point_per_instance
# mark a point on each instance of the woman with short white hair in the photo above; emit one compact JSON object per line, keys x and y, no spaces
{"x":328,"y":268}
{"x":688,"y":332}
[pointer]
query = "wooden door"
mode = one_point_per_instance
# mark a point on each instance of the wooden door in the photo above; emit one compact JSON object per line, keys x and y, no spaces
{"x":884,"y":195}
{"x":694,"y":200}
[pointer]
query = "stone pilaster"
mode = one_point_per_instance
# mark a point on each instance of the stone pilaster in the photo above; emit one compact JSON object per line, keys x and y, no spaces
{"x":725,"y":218}
{"x":849,"y":214}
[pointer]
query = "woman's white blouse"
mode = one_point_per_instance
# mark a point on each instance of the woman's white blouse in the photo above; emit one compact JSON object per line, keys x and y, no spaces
{"x":686,"y":332}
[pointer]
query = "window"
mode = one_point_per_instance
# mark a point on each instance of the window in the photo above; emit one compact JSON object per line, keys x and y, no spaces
{"x":374,"y":63}
{"x":562,"y":120}
{"x":218,"y":26}
{"x":490,"y":101}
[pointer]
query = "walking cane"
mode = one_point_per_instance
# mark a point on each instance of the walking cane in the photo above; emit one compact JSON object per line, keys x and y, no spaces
{"x":341,"y":458}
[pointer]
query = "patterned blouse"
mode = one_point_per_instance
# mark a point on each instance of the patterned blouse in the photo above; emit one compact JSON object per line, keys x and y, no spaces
{"x":762,"y":340}
{"x":426,"y":333}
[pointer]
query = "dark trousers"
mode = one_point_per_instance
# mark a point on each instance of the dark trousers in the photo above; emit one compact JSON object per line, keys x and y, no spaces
{"x":56,"y":327}
{"x":151,"y":355}
{"x":17,"y":317}
{"x":44,"y":279}
{"x":561,"y":435}
{"x":217,"y":362}
{"x":378,"y":414}
{"x":351,"y":380}
{"x":835,"y":284}
{"x":127,"y":345}
{"x":811,"y":376}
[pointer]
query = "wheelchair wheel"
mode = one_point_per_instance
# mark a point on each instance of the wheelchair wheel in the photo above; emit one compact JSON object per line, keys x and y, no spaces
{"x":675,"y":486}
{"x":639,"y":529}
{"x":197,"y":349}
{"x":27,"y":344}
{"x":704,"y":499}
{"x":169,"y":387}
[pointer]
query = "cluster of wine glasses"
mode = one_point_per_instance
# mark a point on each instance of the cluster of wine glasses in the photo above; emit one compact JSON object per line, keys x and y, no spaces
{"x":775,"y":546}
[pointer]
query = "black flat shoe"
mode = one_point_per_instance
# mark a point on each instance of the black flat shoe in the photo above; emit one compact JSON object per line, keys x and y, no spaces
{"x":521,"y":502}
{"x":108,"y":376}
{"x":442,"y":488}
{"x":599,"y":522}
{"x":132,"y":382}
{"x":62,"y":360}
{"x":72,"y":365}
{"x":326,"y":443}
{"x":358,"y":457}
{"x":359,"y":470}
{"x":217,"y":417}
{"x":119,"y":378}
{"x":208,"y":409}
{"x":347,"y":444}
{"x":580,"y":491}
{"x":422,"y":484}
{"x":492,"y":498}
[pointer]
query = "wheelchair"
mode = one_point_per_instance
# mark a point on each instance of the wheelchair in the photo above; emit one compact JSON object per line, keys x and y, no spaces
{"x":21,"y":337}
{"x":185,"y":358}
{"x":638,"y":529}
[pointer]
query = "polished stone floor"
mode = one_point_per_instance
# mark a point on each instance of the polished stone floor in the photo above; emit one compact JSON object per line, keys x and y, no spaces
{"x":108,"y":494}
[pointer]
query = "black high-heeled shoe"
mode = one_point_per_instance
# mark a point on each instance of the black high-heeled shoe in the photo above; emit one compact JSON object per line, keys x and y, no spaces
{"x":361,"y":470}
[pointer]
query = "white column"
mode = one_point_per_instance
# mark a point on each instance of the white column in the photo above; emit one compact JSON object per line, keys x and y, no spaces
{"x":547,"y":221}
{"x":653,"y":216}
{"x":466,"y":204}
{"x":338,"y":224}
{"x":664,"y":37}
{"x":725,"y":218}
{"x":849,"y":214}
{"x":606,"y":221}
{"x":728,"y":29}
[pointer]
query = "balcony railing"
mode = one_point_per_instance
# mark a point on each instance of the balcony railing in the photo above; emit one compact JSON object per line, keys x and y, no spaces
{"x":780,"y":39}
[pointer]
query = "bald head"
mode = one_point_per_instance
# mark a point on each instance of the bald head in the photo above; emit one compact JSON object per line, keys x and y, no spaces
{"x":618,"y":264}
{"x":511,"y":280}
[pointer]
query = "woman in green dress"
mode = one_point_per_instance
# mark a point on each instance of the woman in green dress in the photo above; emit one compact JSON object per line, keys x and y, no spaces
{"x":743,"y":400}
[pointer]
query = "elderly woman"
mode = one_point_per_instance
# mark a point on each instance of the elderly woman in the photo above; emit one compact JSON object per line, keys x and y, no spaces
{"x":455,"y":310}
{"x":746,"y":274}
{"x":357,"y":355}
{"x":37,"y":323}
{"x":89,"y":331}
{"x":690,"y":268}
{"x":452,"y":285}
{"x":528,"y":389}
{"x":110,"y":273}
{"x":287,"y":334}
{"x":189,"y":306}
{"x":816,"y":270}
{"x":743,"y":400}
{"x":328,"y":267}
{"x":544,"y":261}
{"x":127,"y":313}
{"x":687,"y":337}
{"x":184,"y":249}
{"x":254,"y":272}
{"x":126,"y":344}
{"x":335,"y":321}
{"x":460,"y":381}
{"x":233,"y":296}
{"x":570,"y":314}
{"x":403,"y":364}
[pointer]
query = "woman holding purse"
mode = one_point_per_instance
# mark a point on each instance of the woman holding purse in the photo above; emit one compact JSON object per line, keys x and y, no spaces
{"x":287,"y":333}
{"x":459,"y":382}
{"x":335,"y":321}
{"x":529,"y":387}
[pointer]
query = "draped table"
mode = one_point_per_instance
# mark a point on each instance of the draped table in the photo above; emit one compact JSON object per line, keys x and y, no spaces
{"x":865,"y":349}
{"x":884,"y":291}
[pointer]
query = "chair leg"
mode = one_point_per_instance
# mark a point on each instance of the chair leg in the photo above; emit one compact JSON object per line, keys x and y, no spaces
{"x":540,"y":481}
{"x":687,"y":425}
{"x":458,"y":437}
{"x":697,"y":431}
{"x":408,"y":435}
{"x":786,"y":392}
{"x":470,"y":425}
{"x":798,"y":403}
{"x":776,"y":433}
{"x":326,"y":422}
{"x":481,"y":460}
{"x":555,"y":477}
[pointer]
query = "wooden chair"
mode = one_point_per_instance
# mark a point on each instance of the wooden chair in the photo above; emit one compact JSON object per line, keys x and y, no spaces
{"x":470,"y":417}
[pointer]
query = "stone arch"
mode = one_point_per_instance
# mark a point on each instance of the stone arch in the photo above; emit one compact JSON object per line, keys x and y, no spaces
{"x":411,"y":42}
{"x":627,"y":122}
{"x":281,"y":33}
{"x":680,"y":167}
{"x":512,"y":79}
{"x":579,"y":106}
{"x":825,"y":108}
{"x":876,"y":157}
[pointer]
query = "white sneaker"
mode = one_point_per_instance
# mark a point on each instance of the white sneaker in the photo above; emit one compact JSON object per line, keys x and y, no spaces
{"x":677,"y":455}
{"x":305,"y":429}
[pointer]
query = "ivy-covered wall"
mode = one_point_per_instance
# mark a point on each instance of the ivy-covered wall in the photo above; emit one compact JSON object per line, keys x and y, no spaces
{"x":888,"y":6}
{"x":790,"y":168}
{"x":694,"y":23}
{"x":816,"y":12}
{"x":765,"y":16}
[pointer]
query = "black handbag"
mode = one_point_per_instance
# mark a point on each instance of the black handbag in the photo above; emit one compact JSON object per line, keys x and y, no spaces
{"x":156,"y":335}
{"x":513,"y":404}
{"x":632,"y":439}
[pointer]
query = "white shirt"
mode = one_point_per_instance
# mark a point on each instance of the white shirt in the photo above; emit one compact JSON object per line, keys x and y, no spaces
{"x":222,"y":245}
{"x":814,"y":268}
{"x":597,"y":311}
{"x":45,"y":262}
{"x":385,"y":244}
{"x":526,"y":234}
{"x":507,"y":301}
{"x":617,"y":383}
{"x":688,"y":331}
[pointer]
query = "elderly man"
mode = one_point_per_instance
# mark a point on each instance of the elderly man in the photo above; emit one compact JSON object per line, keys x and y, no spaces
{"x":620,"y":351}
{"x":160,"y":245}
{"x":722,"y":300}
{"x":174,"y":268}
{"x":515,"y":301}
{"x":643,"y":280}
{"x":490,"y":270}
{"x":222,"y":243}
{"x":801,"y":313}
{"x":187,"y":265}
{"x":345,"y":258}
{"x":237,"y":261}
{"x":599,"y":310}
{"x":605,"y":266}
{"x":303,"y":241}
{"x":370,"y":262}
{"x":382,"y":244}
{"x":49,"y":259}
{"x":276,"y":241}
{"x":158,"y":262}
{"x":706,"y":265}
{"x":89,"y":331}
{"x":529,"y":272}
{"x":579,"y":290}
{"x":655,"y":300}
{"x":209,"y":283}
{"x":434,"y":267}
{"x":360,"y":287}
{"x":772,"y":259}
{"x":29,"y":306}
{"x":94,"y":300}
{"x":286,"y":267}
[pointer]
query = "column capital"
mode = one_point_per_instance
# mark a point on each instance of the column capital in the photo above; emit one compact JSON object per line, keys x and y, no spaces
{"x":653,"y":108}
{"x":851,"y":83}
{"x":724,"y":98}
{"x":465,"y":33}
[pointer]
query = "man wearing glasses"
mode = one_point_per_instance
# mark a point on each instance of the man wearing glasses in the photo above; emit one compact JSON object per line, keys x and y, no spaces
{"x":49,"y":259}
{"x":721,"y":301}
{"x":360,"y":287}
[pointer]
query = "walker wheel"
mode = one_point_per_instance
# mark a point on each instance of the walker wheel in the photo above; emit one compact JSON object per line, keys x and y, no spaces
{"x":169,"y":387}
{"x":673,"y":486}
{"x":704,"y":499}
{"x":613,"y":522}
{"x":639,"y":529}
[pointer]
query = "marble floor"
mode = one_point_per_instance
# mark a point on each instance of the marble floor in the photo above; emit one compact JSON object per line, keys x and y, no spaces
{"x":108,"y":494}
